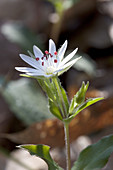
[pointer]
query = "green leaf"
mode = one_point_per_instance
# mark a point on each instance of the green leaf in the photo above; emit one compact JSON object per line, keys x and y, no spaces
{"x":61,"y":97}
{"x":26,"y":100}
{"x":65,"y":98}
{"x":55,"y":109}
{"x":82,"y":107}
{"x":79,"y":97}
{"x":86,"y":104}
{"x":47,"y":86}
{"x":18,"y":33}
{"x":95,"y":156}
{"x":56,"y":102}
{"x":42,"y":151}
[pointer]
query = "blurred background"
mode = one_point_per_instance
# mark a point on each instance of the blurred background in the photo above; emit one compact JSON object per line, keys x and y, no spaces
{"x":24,"y":115}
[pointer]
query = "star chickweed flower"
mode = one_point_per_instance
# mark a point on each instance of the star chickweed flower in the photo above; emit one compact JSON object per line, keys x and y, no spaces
{"x":49,"y":63}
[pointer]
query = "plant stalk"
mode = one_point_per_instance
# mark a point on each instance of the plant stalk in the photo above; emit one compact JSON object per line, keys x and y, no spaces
{"x":67,"y":145}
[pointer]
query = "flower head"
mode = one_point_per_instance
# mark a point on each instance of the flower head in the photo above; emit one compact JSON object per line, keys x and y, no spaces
{"x":49,"y":63}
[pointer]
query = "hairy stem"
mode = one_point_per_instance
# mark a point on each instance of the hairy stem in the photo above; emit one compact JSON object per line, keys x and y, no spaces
{"x":67,"y":145}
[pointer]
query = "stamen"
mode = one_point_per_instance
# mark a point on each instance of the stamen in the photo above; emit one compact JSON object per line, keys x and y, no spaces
{"x":42,"y":58}
{"x":55,"y":61}
{"x":50,"y":55}
{"x":55,"y":52}
{"x":37,"y":58}
{"x":46,"y":52}
{"x":42,"y":63}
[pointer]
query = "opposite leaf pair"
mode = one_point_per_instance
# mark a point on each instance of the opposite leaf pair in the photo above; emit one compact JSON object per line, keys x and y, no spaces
{"x":59,"y":103}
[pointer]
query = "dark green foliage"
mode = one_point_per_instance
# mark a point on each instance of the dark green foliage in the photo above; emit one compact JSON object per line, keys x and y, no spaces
{"x":95,"y":156}
{"x":27,"y":101}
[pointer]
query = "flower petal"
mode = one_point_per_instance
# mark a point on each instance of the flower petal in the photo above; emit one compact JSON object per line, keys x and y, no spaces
{"x":52,"y":47}
{"x":69,"y":64}
{"x":26,"y":69}
{"x":31,"y":61}
{"x":38,"y":74}
{"x":37,"y":52}
{"x":62,"y":51}
{"x":69,"y":57}
{"x":49,"y":64}
{"x":31,"y":54}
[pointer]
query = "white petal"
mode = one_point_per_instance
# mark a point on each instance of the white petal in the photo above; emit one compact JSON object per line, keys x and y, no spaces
{"x":31,"y":54}
{"x":62,"y":51}
{"x":41,"y":74}
{"x":69,"y":57}
{"x":52,"y":47}
{"x":30,"y":61}
{"x":48,"y":75}
{"x":37,"y":52}
{"x":69,"y":64}
{"x":55,"y":72}
{"x":26,"y":69}
{"x":35,"y":74}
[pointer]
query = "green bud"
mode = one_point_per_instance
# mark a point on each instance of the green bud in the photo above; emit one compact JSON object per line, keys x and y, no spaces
{"x":79,"y":98}
{"x":80,"y":95}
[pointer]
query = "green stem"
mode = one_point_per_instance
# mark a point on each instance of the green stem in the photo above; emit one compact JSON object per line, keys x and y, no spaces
{"x":67,"y":145}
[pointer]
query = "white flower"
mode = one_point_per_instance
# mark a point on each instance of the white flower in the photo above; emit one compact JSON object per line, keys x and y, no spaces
{"x":49,"y":63}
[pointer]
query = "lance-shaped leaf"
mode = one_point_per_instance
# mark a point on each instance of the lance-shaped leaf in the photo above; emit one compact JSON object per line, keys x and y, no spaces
{"x":95,"y":156}
{"x":42,"y":151}
{"x":47,"y":86}
{"x":79,"y":97}
{"x":61,"y":97}
{"x":82,"y":107}
{"x":65,"y":98}
{"x":55,"y":109}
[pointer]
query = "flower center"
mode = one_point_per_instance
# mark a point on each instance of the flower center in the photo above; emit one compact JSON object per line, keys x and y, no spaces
{"x":50,"y":70}
{"x":47,"y":55}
